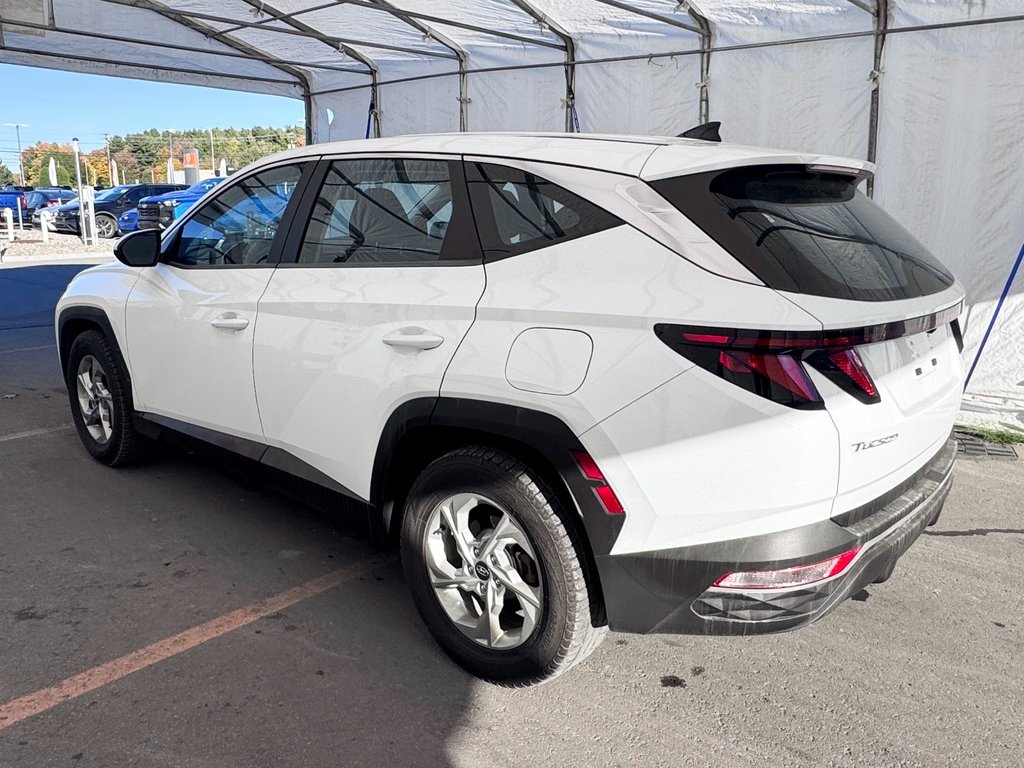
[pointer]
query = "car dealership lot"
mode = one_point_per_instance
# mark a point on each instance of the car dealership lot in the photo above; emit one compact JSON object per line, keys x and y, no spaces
{"x":97,"y":567}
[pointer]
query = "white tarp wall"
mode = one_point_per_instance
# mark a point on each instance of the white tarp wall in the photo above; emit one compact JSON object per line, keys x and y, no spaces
{"x":944,"y":125}
{"x":951,"y":167}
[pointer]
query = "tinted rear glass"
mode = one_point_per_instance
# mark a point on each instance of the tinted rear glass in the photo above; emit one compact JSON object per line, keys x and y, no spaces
{"x":807,"y":232}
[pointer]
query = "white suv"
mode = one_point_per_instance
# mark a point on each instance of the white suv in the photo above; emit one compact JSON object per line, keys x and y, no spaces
{"x":650,"y":384}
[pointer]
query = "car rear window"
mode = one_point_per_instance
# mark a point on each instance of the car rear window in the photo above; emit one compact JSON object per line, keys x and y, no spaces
{"x":807,"y":231}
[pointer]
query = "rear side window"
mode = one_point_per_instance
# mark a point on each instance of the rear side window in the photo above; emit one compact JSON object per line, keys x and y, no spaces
{"x":807,"y":232}
{"x":518,"y":211}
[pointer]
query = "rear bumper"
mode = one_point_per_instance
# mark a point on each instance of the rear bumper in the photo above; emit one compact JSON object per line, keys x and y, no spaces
{"x":66,"y":225}
{"x":671,"y":591}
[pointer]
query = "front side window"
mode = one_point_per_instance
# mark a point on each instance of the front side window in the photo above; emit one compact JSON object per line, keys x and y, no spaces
{"x":519,"y":211}
{"x":807,"y":231}
{"x":237,"y":228}
{"x":388,"y":211}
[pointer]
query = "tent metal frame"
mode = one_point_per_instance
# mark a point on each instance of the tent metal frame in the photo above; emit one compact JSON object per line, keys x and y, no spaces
{"x":300,"y":73}
{"x":424,"y":17}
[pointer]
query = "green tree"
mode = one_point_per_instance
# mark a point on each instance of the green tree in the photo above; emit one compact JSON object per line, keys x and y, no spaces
{"x":6,"y":176}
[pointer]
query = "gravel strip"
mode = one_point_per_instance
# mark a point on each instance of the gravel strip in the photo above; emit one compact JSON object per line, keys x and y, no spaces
{"x":29,"y":245}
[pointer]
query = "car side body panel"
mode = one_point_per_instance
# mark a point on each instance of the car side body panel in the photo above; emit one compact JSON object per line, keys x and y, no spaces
{"x":96,"y":295}
{"x":186,"y":368}
{"x":330,"y":362}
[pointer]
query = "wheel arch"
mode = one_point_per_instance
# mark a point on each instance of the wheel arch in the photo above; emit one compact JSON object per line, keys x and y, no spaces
{"x":425,"y":429}
{"x":73,"y":321}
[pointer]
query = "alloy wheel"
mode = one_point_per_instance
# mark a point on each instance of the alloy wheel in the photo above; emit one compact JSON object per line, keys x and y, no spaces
{"x":105,"y":227}
{"x":94,"y":399}
{"x":483,"y":570}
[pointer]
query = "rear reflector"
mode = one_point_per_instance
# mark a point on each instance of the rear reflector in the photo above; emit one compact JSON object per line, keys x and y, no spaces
{"x":604,"y":492}
{"x":787,"y":578}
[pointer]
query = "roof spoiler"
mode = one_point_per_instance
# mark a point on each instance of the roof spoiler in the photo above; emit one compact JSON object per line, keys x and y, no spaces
{"x":703,"y":132}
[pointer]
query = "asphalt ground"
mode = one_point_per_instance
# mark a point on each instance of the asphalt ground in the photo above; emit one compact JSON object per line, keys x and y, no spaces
{"x":190,"y":613}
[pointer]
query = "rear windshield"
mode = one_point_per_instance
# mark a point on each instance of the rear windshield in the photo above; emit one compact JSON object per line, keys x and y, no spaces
{"x":807,"y":232}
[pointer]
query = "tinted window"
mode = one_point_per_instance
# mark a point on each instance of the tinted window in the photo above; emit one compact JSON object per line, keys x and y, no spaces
{"x":394,"y":211}
{"x":808,"y":232}
{"x":136,"y":194}
{"x":238,"y":226}
{"x":110,"y":194}
{"x":519,"y":211}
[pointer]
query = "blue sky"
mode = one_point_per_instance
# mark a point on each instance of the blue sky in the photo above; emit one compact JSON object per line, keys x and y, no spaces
{"x":61,"y":105}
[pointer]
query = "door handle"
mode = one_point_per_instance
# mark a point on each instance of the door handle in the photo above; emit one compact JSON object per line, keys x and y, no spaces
{"x":230,"y":322}
{"x":413,"y":338}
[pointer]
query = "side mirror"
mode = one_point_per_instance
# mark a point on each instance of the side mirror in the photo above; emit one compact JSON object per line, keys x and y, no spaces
{"x":139,"y":249}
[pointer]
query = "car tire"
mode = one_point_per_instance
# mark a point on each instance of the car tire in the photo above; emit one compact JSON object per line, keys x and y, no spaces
{"x":106,"y":226}
{"x":539,"y":558}
{"x":101,"y":401}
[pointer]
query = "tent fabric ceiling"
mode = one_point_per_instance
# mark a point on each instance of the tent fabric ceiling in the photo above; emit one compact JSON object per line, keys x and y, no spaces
{"x":927,"y":88}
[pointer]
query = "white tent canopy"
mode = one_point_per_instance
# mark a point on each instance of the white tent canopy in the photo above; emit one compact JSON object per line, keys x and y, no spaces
{"x":932,"y":90}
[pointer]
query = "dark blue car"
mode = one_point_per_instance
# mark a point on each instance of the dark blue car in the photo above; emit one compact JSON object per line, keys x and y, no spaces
{"x":159,"y":211}
{"x":110,"y":204}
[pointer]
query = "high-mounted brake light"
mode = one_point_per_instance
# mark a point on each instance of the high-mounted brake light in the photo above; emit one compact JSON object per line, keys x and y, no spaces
{"x":604,"y":492}
{"x":788,"y":578}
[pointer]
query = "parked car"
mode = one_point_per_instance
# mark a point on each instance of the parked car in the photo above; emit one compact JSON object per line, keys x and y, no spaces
{"x":43,"y":198}
{"x":15,"y":199}
{"x":128,"y":222}
{"x":110,"y":204}
{"x":159,"y":211}
{"x":656,"y":385}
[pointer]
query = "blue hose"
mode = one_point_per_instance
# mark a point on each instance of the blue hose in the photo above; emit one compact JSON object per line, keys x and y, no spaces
{"x":992,"y":322}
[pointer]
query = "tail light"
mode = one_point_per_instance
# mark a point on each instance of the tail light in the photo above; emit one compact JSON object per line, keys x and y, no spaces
{"x":23,"y":202}
{"x":604,"y":492}
{"x":772,"y":364}
{"x":788,"y":578}
{"x":846,"y":370}
{"x":52,"y":203}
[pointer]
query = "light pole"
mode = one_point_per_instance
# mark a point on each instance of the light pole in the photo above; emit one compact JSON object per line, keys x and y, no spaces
{"x":17,"y":129}
{"x":78,"y":183}
{"x":170,"y":154}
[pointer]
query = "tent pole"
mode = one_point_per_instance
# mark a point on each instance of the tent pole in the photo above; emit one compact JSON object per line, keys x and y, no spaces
{"x":569,"y":46}
{"x":704,"y":26}
{"x":292,"y":28}
{"x":147,"y":65}
{"x":432,"y":34}
{"x":307,"y":101}
{"x":343,"y":49}
{"x":406,"y":14}
{"x":650,"y":14}
{"x":881,"y":27}
{"x":239,"y":50}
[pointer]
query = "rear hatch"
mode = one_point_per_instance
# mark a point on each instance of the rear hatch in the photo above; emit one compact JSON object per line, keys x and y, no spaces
{"x":887,"y":362}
